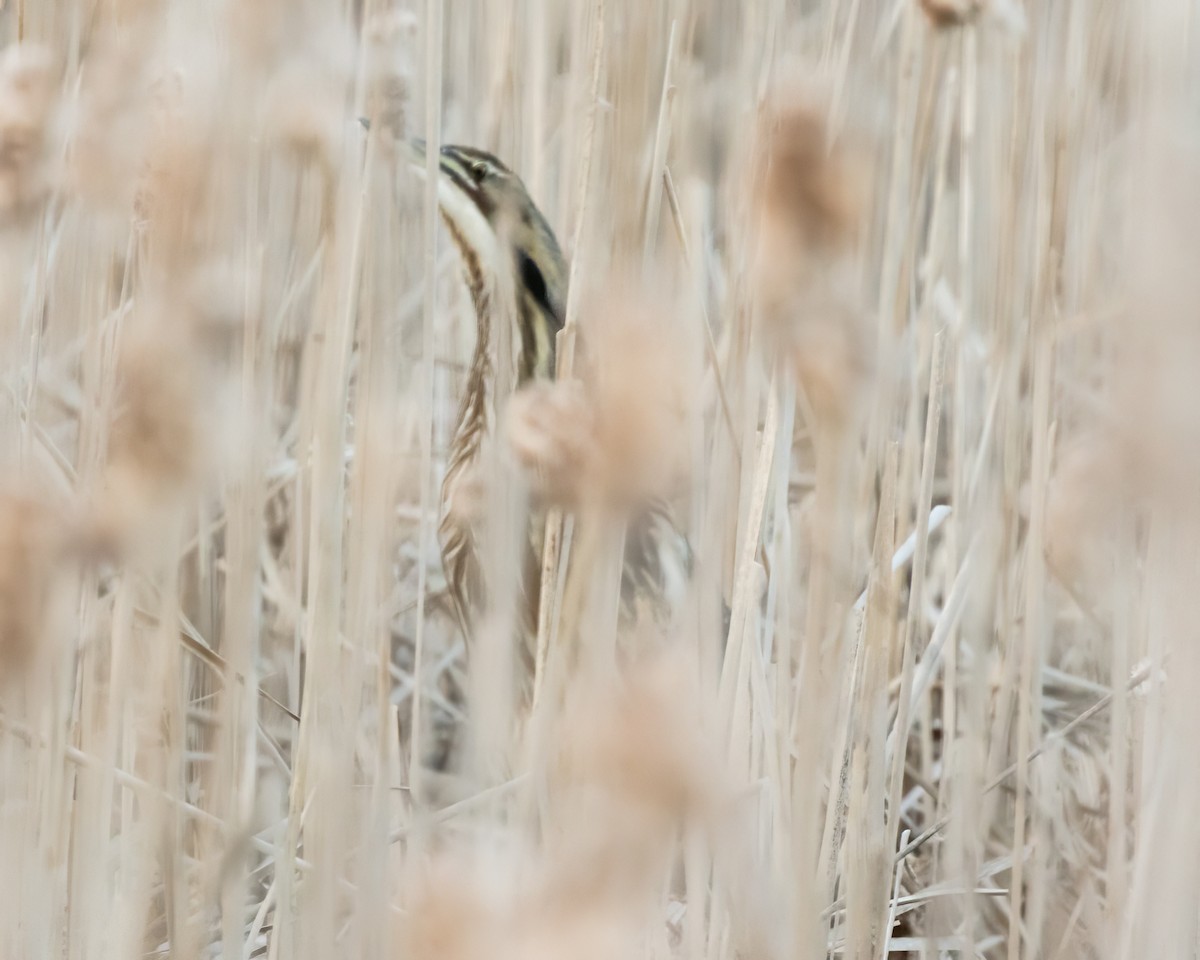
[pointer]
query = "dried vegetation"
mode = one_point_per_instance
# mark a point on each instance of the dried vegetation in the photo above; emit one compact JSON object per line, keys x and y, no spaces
{"x":905,"y":336}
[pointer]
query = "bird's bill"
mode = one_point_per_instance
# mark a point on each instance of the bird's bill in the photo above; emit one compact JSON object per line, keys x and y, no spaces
{"x":462,"y":202}
{"x":414,"y":150}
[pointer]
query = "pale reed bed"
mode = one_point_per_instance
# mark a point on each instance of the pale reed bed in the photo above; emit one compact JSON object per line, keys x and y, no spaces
{"x":891,"y":299}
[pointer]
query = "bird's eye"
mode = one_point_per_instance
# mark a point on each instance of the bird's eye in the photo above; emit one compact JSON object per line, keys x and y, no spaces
{"x":480,"y":171}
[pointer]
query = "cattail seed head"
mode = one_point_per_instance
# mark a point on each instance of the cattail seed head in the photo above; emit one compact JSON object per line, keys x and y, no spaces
{"x":219,"y":300}
{"x":28,"y":96}
{"x":641,"y":389}
{"x":828,"y":348}
{"x":457,"y":915}
{"x":810,"y":189}
{"x":1081,"y":503}
{"x":32,"y":540}
{"x":951,"y":13}
{"x":507,"y":906}
{"x":124,"y":105}
{"x":631,"y":752}
{"x":620,"y":435}
{"x":305,"y":115}
{"x":1157,"y":427}
{"x":390,"y":39}
{"x":174,"y":187}
{"x":810,"y":200}
{"x":551,"y":432}
{"x":156,"y":443}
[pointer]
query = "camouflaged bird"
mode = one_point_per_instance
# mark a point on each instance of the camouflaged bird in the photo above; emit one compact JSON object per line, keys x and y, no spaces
{"x":512,"y":259}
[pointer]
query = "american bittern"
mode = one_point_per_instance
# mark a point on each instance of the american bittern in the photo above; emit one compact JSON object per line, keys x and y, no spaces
{"x":507,"y":245}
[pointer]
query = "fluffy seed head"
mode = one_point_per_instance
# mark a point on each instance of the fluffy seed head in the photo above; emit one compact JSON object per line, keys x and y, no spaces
{"x":1081,"y":502}
{"x":28,"y":93}
{"x":619,"y":436}
{"x":305,"y":115}
{"x":31,"y":551}
{"x":641,"y":390}
{"x":1157,"y":426}
{"x":951,"y":13}
{"x":174,"y":186}
{"x":156,"y":442}
{"x":390,"y":38}
{"x":632,"y":762}
{"x":810,"y":189}
{"x":122,"y":106}
{"x":810,"y":200}
{"x":457,"y":915}
{"x":827,"y":345}
{"x":552,"y":434}
{"x":504,"y":906}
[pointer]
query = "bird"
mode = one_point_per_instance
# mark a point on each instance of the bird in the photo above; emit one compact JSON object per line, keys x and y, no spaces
{"x":507,"y":246}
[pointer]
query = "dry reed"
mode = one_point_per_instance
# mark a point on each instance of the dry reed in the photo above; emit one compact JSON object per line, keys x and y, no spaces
{"x":905,"y":333}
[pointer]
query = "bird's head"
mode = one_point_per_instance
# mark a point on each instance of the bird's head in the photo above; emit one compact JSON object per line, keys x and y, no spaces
{"x":498,"y":228}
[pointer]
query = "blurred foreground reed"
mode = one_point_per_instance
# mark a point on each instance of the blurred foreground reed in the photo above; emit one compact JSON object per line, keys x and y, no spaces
{"x":892,"y":300}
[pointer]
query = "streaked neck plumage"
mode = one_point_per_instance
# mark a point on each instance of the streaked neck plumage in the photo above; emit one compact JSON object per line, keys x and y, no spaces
{"x":513,"y":267}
